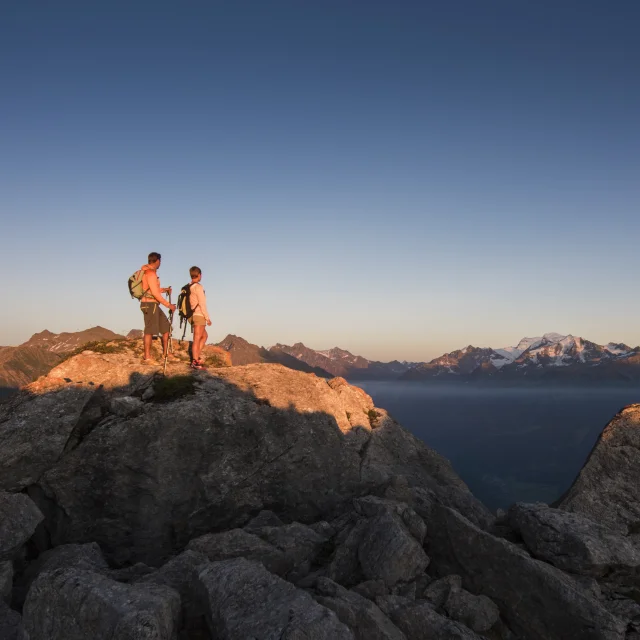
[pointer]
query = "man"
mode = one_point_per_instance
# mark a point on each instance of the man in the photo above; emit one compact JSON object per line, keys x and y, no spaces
{"x":155,"y":321}
{"x":200,"y":318}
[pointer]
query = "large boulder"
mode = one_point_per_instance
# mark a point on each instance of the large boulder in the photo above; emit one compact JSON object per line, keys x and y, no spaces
{"x":34,"y":430}
{"x":538,"y":601}
{"x":11,"y":627}
{"x":364,"y":618}
{"x":479,"y":613}
{"x":371,"y":506}
{"x":238,"y":543}
{"x":74,"y":604}
{"x":243,"y":600}
{"x":300,"y":544}
{"x":571,"y":541}
{"x":421,"y":622}
{"x":180,"y":574}
{"x":607,"y":489}
{"x":78,"y":556}
{"x":19,"y":518}
{"x":6,"y":580}
{"x":380,"y":547}
{"x":389,"y":552}
{"x":264,"y":519}
{"x":233,"y":442}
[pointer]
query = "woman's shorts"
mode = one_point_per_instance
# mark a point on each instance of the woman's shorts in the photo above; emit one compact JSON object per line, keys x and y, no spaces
{"x":198,"y":321}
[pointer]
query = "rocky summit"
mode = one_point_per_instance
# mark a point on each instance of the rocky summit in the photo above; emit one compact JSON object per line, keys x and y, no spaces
{"x":260,"y":502}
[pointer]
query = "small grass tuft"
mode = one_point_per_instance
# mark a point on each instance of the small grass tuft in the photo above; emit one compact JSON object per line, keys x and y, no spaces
{"x":373,"y":417}
{"x":215,"y":360}
{"x":173,"y":388}
{"x":99,"y":346}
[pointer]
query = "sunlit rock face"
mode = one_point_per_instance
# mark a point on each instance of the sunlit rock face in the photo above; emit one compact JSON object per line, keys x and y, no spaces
{"x":607,"y":489}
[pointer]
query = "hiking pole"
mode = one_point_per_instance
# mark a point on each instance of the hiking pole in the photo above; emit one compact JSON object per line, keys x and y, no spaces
{"x":166,"y":353}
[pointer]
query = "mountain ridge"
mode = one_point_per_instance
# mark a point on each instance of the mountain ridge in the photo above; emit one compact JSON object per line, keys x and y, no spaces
{"x":552,"y":356}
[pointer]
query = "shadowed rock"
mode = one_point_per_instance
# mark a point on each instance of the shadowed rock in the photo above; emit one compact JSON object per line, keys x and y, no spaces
{"x":421,"y":622}
{"x":243,"y":600}
{"x":389,"y":552}
{"x":238,"y":543}
{"x":180,"y":574}
{"x":6,"y":580}
{"x":73,"y":604}
{"x":479,"y":613}
{"x":11,"y":627}
{"x":364,"y":618}
{"x":265,"y":518}
{"x":79,"y":556}
{"x":19,"y":518}
{"x":538,"y":601}
{"x":571,"y":541}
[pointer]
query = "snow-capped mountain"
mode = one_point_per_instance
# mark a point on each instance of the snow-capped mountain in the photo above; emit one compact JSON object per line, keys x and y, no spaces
{"x":463,"y":362}
{"x":537,"y":357}
{"x":511,"y":353}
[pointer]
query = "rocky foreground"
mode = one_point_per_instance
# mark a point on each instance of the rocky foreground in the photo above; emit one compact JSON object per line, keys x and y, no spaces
{"x":258,"y":502}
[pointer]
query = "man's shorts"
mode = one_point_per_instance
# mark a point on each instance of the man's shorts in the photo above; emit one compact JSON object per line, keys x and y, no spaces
{"x":198,"y":321}
{"x":155,"y":322}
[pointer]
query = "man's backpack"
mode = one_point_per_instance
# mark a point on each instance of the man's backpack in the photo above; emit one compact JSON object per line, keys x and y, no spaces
{"x":135,"y":285}
{"x":185,"y":312}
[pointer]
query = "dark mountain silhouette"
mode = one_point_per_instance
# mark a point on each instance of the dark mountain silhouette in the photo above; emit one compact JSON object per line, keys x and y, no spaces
{"x":65,"y":342}
{"x":343,"y":363}
{"x":23,"y":364}
{"x":243,"y":352}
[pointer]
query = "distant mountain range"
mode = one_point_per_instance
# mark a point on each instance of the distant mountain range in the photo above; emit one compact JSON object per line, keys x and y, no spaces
{"x":21,"y":365}
{"x":243,"y":352}
{"x":552,"y":357}
{"x":43,"y":351}
{"x":65,"y":342}
{"x":338,"y":362}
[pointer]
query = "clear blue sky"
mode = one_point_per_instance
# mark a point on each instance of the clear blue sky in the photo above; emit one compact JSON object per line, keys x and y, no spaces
{"x":396,"y":178}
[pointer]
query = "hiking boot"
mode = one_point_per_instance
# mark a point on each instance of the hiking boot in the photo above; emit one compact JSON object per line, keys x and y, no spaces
{"x":150,"y":362}
{"x":196,"y":365}
{"x":201,"y":363}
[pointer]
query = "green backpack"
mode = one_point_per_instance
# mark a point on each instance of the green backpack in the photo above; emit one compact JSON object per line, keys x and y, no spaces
{"x":135,"y":285}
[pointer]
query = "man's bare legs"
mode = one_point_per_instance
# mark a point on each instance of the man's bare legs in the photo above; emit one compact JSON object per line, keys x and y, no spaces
{"x":165,"y":344}
{"x":148,"y":339}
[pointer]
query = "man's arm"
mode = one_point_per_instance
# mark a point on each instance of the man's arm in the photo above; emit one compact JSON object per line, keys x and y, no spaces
{"x":154,"y":288}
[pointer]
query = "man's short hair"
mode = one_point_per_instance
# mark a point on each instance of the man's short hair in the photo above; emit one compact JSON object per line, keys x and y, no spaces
{"x":194,"y":272}
{"x":154,"y":257}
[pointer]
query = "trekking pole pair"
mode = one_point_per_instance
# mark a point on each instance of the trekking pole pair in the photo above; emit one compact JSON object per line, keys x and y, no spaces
{"x":170,"y":341}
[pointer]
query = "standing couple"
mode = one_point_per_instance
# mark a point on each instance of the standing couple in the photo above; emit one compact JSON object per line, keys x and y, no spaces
{"x":156,"y":322}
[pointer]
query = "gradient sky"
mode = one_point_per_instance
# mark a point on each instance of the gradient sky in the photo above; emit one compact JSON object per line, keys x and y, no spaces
{"x":397,"y":178}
